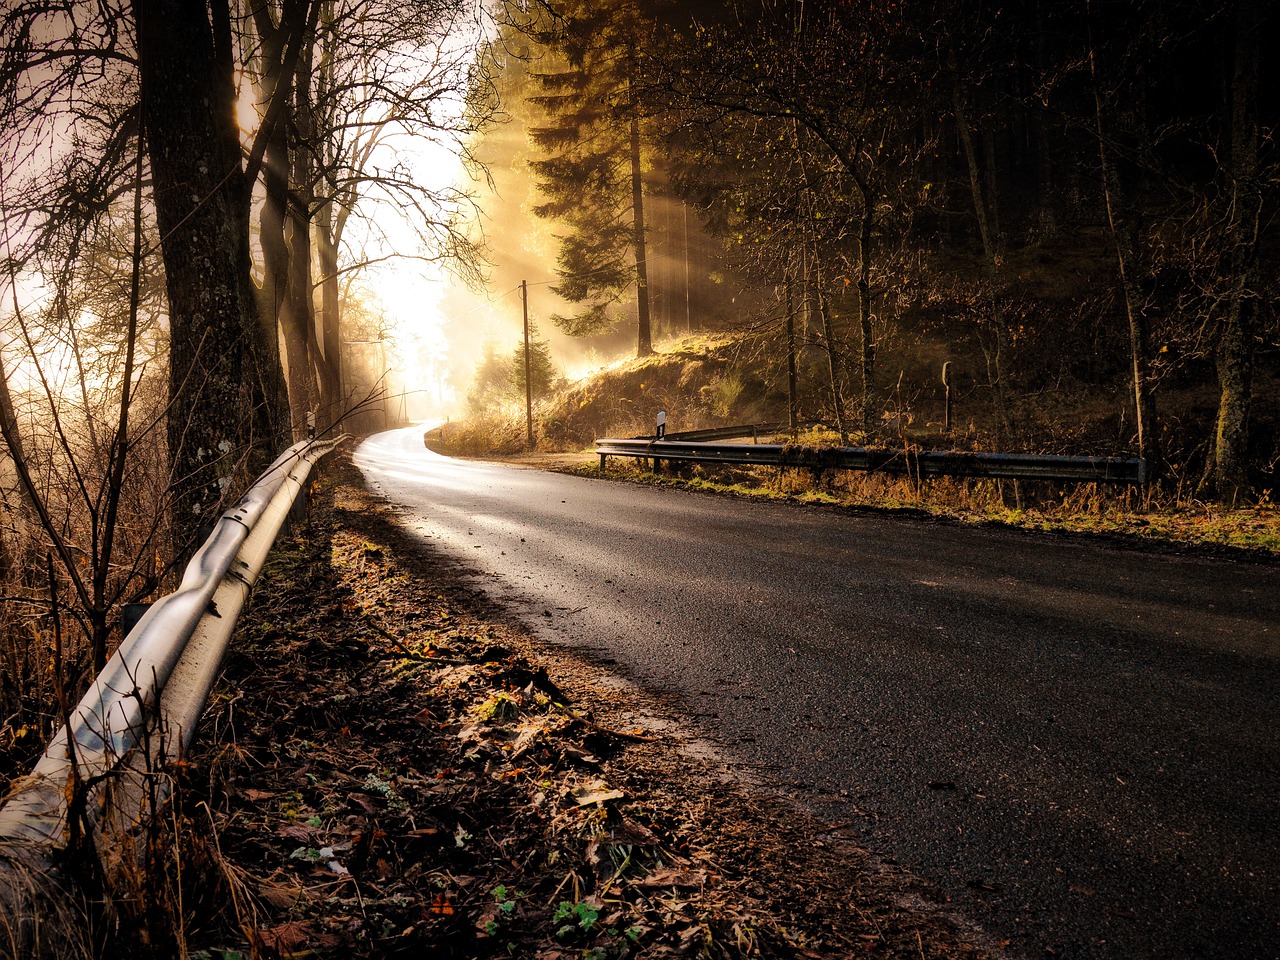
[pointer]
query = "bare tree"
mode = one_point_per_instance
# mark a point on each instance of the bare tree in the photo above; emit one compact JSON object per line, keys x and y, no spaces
{"x":73,"y":475}
{"x":82,"y":359}
{"x":829,"y":84}
{"x":1248,"y":185}
{"x":285,"y":37}
{"x":387,"y":77}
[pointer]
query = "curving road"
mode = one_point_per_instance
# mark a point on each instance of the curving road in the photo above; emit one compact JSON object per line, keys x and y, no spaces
{"x":1078,"y":744}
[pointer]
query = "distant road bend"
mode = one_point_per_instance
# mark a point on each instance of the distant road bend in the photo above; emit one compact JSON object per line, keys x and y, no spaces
{"x":1078,"y":744}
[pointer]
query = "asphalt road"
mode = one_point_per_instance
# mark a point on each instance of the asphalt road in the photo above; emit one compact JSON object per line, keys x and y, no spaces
{"x":1075,"y":743}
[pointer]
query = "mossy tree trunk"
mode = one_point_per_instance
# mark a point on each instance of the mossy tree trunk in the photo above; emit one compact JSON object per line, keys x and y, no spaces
{"x":225,"y":415}
{"x":1236,"y":348}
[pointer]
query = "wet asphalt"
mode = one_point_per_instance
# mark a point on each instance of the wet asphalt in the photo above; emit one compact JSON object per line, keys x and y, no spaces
{"x":1075,"y":744}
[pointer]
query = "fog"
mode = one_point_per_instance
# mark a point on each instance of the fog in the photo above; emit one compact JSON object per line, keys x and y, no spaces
{"x":442,"y":327}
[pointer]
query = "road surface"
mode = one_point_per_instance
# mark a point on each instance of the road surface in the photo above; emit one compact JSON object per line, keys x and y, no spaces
{"x":1076,"y":743}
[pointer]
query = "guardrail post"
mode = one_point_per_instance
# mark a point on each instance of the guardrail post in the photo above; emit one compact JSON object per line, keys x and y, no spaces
{"x":301,"y":506}
{"x":946,"y":386}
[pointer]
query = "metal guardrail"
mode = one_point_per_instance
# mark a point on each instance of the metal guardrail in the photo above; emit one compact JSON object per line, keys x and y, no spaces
{"x":917,"y":463}
{"x":752,"y":430}
{"x":144,"y":706}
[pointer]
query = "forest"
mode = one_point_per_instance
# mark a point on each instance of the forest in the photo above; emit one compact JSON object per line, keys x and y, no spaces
{"x":1072,"y":202}
{"x":1066,"y":209}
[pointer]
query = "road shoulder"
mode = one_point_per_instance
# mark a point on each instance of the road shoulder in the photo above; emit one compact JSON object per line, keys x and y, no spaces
{"x":396,"y":767}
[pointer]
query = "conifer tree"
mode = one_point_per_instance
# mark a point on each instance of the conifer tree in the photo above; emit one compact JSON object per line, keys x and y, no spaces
{"x":542,"y":371}
{"x":491,"y":385}
{"x":590,"y":172}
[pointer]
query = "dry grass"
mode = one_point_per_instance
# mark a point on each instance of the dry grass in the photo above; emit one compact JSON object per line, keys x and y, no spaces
{"x":1059,"y":508}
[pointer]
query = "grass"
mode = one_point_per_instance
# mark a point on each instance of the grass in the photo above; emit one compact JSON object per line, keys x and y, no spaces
{"x":1089,"y":509}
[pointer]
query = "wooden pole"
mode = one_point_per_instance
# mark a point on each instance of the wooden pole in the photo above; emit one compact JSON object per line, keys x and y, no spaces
{"x":528,"y":379}
{"x":792,"y":401}
{"x":688,"y":317}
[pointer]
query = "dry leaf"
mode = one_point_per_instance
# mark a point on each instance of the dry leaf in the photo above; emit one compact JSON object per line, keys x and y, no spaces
{"x":287,"y":937}
{"x":280,"y":896}
{"x":595,"y":793}
{"x":298,"y":832}
{"x":668,"y":877}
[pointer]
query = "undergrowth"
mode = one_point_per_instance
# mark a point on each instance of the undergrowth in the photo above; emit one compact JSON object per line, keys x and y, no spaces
{"x":1032,"y":505}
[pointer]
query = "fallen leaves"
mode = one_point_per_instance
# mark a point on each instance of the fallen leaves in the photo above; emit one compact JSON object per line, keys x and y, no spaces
{"x":405,"y":782}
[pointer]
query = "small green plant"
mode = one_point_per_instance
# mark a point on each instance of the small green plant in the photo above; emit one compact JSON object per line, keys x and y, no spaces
{"x":506,"y":899}
{"x":501,"y":706}
{"x":580,"y":917}
{"x":376,"y":785}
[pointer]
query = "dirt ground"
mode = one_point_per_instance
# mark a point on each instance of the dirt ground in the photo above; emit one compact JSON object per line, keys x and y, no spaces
{"x":390,"y":769}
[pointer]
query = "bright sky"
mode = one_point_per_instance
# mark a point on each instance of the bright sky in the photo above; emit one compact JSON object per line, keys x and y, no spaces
{"x":411,"y":290}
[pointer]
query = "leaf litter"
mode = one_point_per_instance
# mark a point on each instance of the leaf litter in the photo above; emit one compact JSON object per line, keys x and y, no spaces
{"x":393,"y":771}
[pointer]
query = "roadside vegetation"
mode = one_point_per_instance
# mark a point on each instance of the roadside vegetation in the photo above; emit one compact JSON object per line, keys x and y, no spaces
{"x":716,"y":380}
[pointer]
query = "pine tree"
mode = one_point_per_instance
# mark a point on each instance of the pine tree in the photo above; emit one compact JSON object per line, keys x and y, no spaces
{"x":542,"y":371}
{"x":590,"y":171}
{"x":491,"y":385}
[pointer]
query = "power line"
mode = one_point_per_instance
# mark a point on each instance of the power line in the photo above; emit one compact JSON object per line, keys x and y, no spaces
{"x":582,"y":276}
{"x":490,"y":301}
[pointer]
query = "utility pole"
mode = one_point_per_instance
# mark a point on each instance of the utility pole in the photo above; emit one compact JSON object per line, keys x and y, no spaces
{"x":688,"y":317}
{"x":792,"y":402}
{"x":528,"y":379}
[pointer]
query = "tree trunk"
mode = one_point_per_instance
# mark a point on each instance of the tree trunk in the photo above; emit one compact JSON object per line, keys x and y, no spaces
{"x":975,"y":179}
{"x":300,"y":215}
{"x":274,"y":298}
{"x":297,"y":319}
{"x":1143,"y":403}
{"x":285,"y":288}
{"x":1044,"y":159}
{"x":793,"y":404}
{"x":993,"y":192}
{"x":263,"y":385}
{"x":331,"y":398}
{"x":833,"y":363}
{"x":644,"y":338}
{"x":221,"y":416}
{"x":328,"y":352}
{"x":1235,"y":351}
